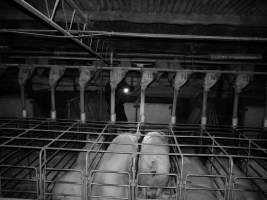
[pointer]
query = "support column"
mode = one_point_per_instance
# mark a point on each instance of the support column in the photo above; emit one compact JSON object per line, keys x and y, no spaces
{"x":265,"y":110}
{"x":116,"y":76}
{"x":85,"y":76}
{"x":209,"y":81}
{"x":242,"y":80}
{"x":55,"y":74}
{"x":180,"y":79}
{"x":147,"y":77}
{"x":24,"y":74}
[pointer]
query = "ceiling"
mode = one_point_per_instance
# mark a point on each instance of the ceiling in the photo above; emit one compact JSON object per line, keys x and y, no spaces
{"x":188,"y":31}
{"x":202,"y":34}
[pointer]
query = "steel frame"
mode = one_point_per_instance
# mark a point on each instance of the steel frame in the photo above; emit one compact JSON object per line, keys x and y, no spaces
{"x":51,"y":147}
{"x":92,"y":67}
{"x":78,"y":17}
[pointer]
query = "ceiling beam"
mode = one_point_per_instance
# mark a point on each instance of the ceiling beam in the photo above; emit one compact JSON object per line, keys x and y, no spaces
{"x":147,"y":35}
{"x":182,"y":19}
{"x":49,"y":19}
{"x":108,"y":68}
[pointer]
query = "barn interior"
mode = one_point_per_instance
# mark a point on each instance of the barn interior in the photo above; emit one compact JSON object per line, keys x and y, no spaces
{"x":77,"y":74}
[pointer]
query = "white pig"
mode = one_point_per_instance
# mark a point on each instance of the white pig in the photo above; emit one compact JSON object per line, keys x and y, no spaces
{"x":159,"y":162}
{"x":73,"y":190}
{"x":114,"y":162}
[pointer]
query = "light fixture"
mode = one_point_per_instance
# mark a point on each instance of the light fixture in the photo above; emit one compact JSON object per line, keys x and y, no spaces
{"x":126,"y":90}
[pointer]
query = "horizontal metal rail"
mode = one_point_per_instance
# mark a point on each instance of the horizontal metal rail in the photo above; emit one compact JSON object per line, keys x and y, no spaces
{"x":140,"y":69}
{"x":160,"y":36}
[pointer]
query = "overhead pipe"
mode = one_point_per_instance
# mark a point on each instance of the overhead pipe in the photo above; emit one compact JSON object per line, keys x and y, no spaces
{"x":242,"y":80}
{"x":116,"y":76}
{"x":85,"y":76}
{"x":147,"y":78}
{"x":24,"y":74}
{"x":209,"y":81}
{"x":180,"y":79}
{"x":151,"y":60}
{"x":155,"y":35}
{"x":55,"y":74}
{"x":141,"y":69}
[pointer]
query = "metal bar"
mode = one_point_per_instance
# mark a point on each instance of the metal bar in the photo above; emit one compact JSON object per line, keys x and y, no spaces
{"x":164,"y":36}
{"x":127,"y":55}
{"x":142,"y":106}
{"x":112,"y":105}
{"x":53,"y":103}
{"x":64,"y":13}
{"x":54,"y":10}
{"x":72,"y":18}
{"x":47,"y":8}
{"x":24,"y":132}
{"x":171,"y":60}
{"x":43,"y":17}
{"x":82,"y":104}
{"x":23,"y":107}
{"x":141,"y":69}
{"x":235,"y":109}
{"x":174,"y":104}
{"x":204,"y":108}
{"x":265,"y":108}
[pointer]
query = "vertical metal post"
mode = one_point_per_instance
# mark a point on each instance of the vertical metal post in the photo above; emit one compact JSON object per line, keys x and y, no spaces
{"x":112,"y":105}
{"x":55,"y":74}
{"x":242,"y":81}
{"x":24,"y":74}
{"x":179,"y":81}
{"x":23,"y":106}
{"x":174,"y":103}
{"x":147,"y":77}
{"x":82,"y":110}
{"x":204,"y":109}
{"x":209,"y":81}
{"x":53,"y":103}
{"x":142,"y":105}
{"x":85,"y":76}
{"x":235,"y":108}
{"x":116,"y":76}
{"x":265,"y":110}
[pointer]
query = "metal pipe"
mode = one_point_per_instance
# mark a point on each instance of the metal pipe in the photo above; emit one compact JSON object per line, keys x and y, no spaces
{"x":141,"y":69}
{"x":235,"y":108}
{"x":44,"y":18}
{"x":142,"y":106}
{"x":82,"y":110}
{"x":174,"y":104}
{"x":54,"y":10}
{"x":53,"y":104}
{"x":204,"y":108}
{"x":112,"y":105}
{"x":163,"y":36}
{"x":170,"y":60}
{"x":159,"y":55}
{"x":23,"y":106}
{"x":265,"y":110}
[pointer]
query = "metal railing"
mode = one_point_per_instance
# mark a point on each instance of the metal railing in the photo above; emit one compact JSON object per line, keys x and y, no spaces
{"x":40,"y":158}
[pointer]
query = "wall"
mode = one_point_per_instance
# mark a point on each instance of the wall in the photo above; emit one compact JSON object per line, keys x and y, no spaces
{"x":11,"y":107}
{"x":254,"y":116}
{"x":154,"y":113}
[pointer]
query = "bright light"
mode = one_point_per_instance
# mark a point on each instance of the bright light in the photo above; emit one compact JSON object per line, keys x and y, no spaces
{"x":126,"y":90}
